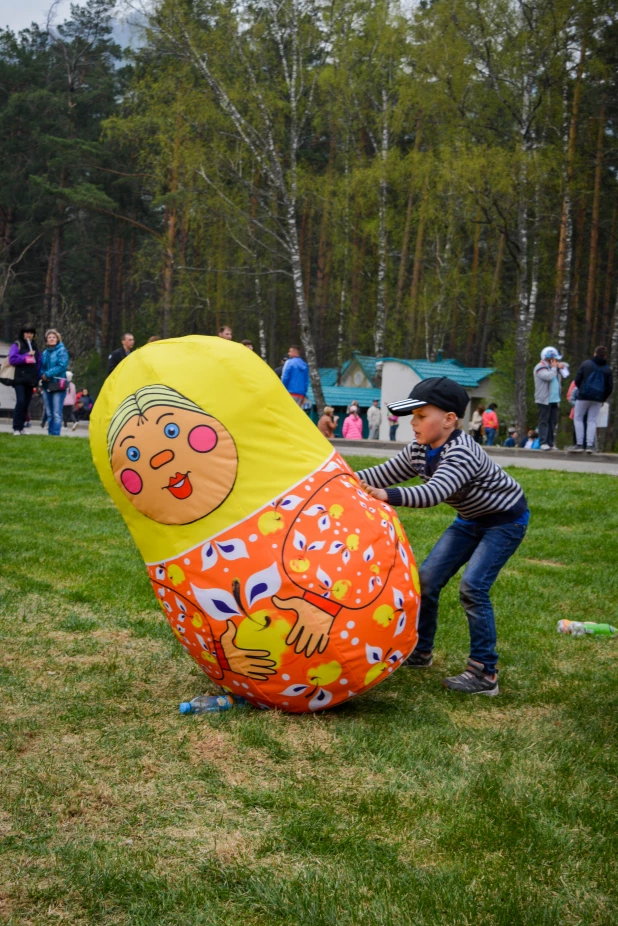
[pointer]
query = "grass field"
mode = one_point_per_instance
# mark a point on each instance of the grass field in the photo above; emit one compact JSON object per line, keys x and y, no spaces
{"x":411,"y":805}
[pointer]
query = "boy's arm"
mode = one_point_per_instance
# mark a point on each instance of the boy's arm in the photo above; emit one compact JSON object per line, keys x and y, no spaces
{"x":398,"y":469}
{"x":452,"y":474}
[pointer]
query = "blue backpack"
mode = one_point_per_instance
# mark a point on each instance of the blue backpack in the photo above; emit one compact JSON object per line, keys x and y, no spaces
{"x":593,"y":388}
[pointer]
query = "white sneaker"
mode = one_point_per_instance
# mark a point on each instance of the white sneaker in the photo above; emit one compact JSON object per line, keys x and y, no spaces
{"x":545,"y":447}
{"x":17,"y":433}
{"x":74,"y":428}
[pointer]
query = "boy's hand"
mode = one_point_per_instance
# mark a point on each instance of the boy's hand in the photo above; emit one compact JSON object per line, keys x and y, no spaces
{"x":379,"y":494}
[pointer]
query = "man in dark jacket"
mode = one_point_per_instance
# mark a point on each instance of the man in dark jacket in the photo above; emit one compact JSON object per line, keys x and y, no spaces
{"x":117,"y":356}
{"x":595,"y":384}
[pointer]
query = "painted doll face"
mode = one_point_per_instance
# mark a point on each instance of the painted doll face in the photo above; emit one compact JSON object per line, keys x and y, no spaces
{"x":174,"y":465}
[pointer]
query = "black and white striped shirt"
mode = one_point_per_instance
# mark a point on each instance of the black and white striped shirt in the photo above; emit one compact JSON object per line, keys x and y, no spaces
{"x":462,"y":475}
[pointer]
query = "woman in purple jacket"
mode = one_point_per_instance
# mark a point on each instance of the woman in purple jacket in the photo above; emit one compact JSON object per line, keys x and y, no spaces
{"x":24,"y":355}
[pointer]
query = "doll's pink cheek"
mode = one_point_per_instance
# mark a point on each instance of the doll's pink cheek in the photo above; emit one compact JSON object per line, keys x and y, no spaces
{"x":202,"y":438}
{"x":132,"y":481}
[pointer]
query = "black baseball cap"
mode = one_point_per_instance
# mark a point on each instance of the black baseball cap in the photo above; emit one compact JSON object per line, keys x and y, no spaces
{"x":440,"y":391}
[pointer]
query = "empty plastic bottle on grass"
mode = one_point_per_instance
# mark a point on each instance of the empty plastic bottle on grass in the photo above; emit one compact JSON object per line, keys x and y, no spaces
{"x":211,"y":704}
{"x":582,"y":628}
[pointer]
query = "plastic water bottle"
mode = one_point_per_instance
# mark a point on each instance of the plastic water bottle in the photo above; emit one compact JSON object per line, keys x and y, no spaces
{"x":583,"y":628}
{"x":211,"y":704}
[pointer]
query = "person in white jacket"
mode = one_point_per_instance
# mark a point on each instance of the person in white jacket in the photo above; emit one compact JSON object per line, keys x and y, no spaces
{"x":374,"y":420}
{"x":547,"y":376}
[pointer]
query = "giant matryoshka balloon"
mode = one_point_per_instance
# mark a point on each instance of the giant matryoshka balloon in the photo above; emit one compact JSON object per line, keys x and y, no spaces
{"x":283,"y":580}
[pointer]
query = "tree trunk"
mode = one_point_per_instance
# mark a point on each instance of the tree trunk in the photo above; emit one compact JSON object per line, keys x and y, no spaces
{"x":565,"y":242}
{"x":613,"y":423}
{"x":594,"y":231}
{"x":380,"y":321}
{"x":406,"y":233}
{"x":107,"y":279}
{"x":473,"y":285}
{"x":493,"y":298}
{"x":609,"y":273}
{"x":579,"y":250}
{"x":416,"y":268}
{"x":303,"y":309}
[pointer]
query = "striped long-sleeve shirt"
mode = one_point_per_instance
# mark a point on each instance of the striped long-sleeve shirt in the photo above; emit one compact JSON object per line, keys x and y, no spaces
{"x":462,"y":475}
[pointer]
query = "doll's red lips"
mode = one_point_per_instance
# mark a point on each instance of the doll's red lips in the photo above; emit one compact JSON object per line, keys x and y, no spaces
{"x":180,"y":485}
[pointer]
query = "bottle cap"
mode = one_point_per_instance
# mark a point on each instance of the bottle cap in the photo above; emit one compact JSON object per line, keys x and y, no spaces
{"x":185,"y":707}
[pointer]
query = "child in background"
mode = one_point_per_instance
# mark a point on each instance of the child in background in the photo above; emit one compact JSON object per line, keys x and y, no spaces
{"x":511,"y":440}
{"x":490,"y":424}
{"x":491,"y":522}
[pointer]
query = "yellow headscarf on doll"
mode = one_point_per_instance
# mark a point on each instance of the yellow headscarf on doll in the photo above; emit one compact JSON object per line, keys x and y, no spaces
{"x":191,"y":435}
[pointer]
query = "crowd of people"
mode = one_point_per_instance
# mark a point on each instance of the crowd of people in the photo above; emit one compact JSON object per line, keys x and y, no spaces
{"x":43,"y":372}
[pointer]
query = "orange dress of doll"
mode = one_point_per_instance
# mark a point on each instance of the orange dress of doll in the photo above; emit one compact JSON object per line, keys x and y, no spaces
{"x":298,"y":606}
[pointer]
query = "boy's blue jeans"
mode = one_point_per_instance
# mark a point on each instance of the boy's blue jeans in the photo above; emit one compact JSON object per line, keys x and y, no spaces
{"x":486,"y":550}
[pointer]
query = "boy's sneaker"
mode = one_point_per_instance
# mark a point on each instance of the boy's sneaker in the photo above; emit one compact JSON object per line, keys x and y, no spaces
{"x":575,"y":448}
{"x":418,"y":660}
{"x":545,"y":447}
{"x":591,"y":450}
{"x":472,"y":681}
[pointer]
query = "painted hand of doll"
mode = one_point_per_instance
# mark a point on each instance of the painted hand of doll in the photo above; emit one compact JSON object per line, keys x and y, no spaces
{"x":379,"y":494}
{"x":312,"y":627}
{"x":252,"y":663}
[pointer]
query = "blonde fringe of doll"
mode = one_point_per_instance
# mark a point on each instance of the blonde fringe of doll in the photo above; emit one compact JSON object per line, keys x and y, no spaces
{"x":140,"y":402}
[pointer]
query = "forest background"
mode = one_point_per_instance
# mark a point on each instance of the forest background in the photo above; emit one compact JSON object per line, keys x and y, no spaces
{"x":400,"y":180}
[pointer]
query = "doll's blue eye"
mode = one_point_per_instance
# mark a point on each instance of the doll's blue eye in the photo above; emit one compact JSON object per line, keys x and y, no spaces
{"x":171,"y":430}
{"x":133,"y":454}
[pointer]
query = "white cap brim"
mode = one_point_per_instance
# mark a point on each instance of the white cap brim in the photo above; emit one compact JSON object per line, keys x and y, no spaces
{"x":405,"y":406}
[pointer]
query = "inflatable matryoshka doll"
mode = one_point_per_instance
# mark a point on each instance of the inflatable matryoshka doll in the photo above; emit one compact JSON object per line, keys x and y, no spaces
{"x":283,"y":580}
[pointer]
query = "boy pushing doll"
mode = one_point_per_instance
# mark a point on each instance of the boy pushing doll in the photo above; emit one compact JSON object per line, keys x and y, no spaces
{"x":491,"y":522}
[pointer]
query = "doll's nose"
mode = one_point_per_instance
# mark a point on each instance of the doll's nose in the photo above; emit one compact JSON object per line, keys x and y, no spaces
{"x":160,"y":459}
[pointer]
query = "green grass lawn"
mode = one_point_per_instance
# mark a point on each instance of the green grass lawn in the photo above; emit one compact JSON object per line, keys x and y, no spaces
{"x":410,"y":805}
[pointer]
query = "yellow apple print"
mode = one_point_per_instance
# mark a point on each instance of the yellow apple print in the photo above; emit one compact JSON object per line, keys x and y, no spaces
{"x":270,"y":522}
{"x":374,"y":671}
{"x":176,"y":574}
{"x":352,"y":542}
{"x":375,"y":569}
{"x":399,"y":529}
{"x":197,"y":620}
{"x":299,"y":565}
{"x":335,"y":511}
{"x":341,"y":588}
{"x":415,"y":579}
{"x":384,"y":615}
{"x":325,"y":674}
{"x":264,"y":630}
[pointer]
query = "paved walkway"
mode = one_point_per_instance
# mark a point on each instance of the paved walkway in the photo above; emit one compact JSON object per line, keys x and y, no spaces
{"x":530,"y":459}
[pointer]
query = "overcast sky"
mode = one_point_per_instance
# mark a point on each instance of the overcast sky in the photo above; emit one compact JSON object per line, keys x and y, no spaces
{"x":18,"y":14}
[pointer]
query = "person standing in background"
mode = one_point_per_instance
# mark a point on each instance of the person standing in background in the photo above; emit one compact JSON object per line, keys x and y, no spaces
{"x":53,"y":377}
{"x":490,"y":423}
{"x":393,"y":424}
{"x":547,"y":377}
{"x":68,"y":406}
{"x":353,"y":425}
{"x":595,"y":384}
{"x":117,"y":356}
{"x":247,"y":343}
{"x":328,"y":422}
{"x":24,"y":355}
{"x":476,"y":424}
{"x":225,"y":332}
{"x":295,"y":376}
{"x":374,"y":419}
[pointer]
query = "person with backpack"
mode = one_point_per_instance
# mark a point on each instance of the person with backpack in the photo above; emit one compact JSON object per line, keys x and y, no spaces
{"x":594,"y":384}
